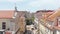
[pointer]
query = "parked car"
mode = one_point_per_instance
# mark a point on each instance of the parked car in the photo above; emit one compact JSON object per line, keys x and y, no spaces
{"x":2,"y":32}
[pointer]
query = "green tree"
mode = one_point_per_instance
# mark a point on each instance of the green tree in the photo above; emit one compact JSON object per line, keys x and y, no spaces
{"x":29,"y":21}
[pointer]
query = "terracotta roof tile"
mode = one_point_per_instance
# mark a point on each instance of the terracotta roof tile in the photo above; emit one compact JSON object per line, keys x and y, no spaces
{"x":46,"y":14}
{"x":6,"y":13}
{"x":54,"y":15}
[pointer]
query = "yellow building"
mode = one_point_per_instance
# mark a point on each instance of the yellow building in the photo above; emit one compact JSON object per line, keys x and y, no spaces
{"x":20,"y":22}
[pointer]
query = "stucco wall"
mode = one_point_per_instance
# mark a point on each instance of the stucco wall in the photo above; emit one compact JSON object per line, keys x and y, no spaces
{"x":9,"y":24}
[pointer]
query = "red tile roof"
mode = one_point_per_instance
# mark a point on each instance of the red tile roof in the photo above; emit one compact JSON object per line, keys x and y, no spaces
{"x":46,"y":14}
{"x":54,"y":15}
{"x":6,"y":13}
{"x":51,"y":16}
{"x":44,"y":11}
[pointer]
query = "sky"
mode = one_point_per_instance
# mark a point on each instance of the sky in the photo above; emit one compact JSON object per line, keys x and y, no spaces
{"x":30,"y":5}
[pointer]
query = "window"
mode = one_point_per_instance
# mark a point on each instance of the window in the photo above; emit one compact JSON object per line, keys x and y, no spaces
{"x":3,"y":25}
{"x":58,"y":22}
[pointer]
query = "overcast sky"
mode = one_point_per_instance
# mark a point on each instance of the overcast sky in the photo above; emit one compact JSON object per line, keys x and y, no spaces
{"x":29,"y":5}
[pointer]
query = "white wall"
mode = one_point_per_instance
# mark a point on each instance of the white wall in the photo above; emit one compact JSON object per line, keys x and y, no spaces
{"x":9,"y":24}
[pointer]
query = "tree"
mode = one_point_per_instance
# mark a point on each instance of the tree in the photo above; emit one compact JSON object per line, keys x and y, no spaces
{"x":28,"y":21}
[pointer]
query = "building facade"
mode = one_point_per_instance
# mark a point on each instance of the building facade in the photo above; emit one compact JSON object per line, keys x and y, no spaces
{"x":12,"y":21}
{"x":6,"y":17}
{"x":41,"y":15}
{"x":20,"y":22}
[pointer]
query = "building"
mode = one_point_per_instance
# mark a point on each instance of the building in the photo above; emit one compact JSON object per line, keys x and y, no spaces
{"x":50,"y":22}
{"x":12,"y":21}
{"x":20,"y":22}
{"x":40,"y":17}
{"x":55,"y":18}
{"x":27,"y":14}
{"x":6,"y":23}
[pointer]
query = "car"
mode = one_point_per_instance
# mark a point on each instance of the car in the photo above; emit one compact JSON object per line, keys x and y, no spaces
{"x":2,"y":32}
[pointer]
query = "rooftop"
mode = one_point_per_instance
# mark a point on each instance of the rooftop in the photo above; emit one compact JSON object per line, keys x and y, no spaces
{"x":6,"y":13}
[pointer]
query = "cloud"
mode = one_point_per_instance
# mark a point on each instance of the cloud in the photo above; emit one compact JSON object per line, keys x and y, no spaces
{"x":12,"y":0}
{"x":43,"y":4}
{"x":31,"y":5}
{"x":15,"y":0}
{"x":38,"y":3}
